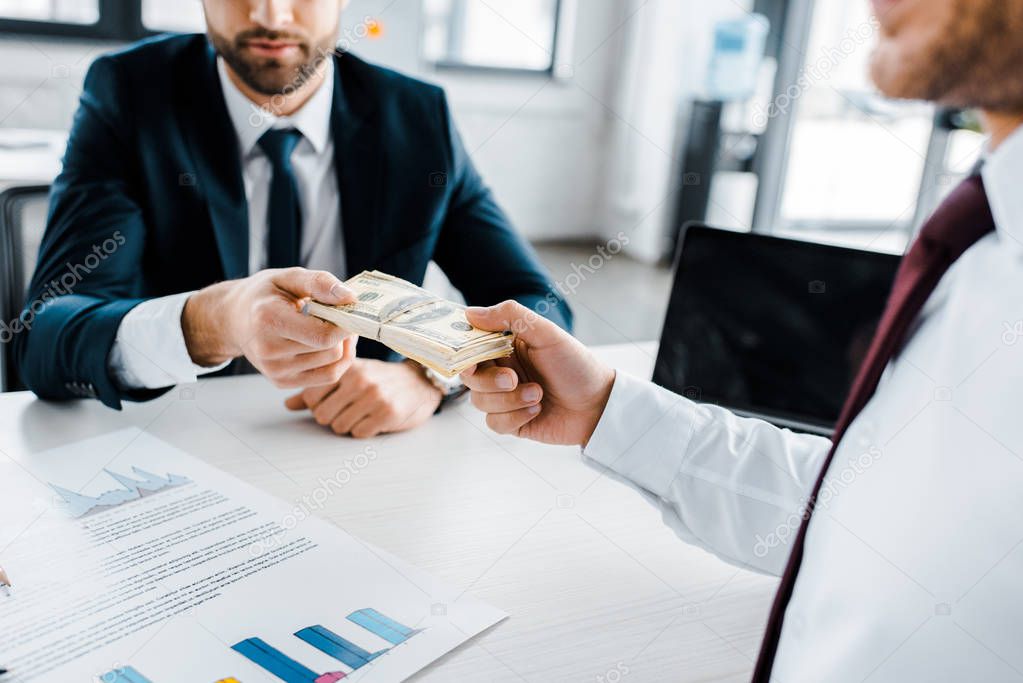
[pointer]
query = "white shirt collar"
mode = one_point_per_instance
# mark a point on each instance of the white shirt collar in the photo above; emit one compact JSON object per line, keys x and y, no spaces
{"x":251,"y":121}
{"x":1002,"y":172}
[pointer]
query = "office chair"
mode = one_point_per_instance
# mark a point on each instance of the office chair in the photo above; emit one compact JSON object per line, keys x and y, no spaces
{"x":23,"y":213}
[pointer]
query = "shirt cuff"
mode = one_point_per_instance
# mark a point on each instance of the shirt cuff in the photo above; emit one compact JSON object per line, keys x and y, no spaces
{"x":149,"y":351}
{"x":644,"y":433}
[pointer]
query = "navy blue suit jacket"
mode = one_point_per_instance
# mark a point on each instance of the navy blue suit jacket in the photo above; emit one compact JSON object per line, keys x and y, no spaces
{"x":151,"y":202}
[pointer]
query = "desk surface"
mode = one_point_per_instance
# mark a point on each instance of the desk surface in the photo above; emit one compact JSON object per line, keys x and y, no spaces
{"x":30,"y":157}
{"x":597,"y":588}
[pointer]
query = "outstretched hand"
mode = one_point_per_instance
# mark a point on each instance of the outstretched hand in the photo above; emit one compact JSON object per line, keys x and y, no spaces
{"x":552,"y":389}
{"x":260,"y":317}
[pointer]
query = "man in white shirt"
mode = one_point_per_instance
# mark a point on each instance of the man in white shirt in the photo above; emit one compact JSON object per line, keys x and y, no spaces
{"x":901,"y":544}
{"x":212,"y":183}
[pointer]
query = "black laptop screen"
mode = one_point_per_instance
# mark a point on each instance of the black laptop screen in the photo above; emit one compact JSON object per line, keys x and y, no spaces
{"x":770,"y":326}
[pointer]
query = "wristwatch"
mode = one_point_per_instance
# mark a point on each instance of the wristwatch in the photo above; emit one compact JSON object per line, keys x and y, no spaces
{"x":450,"y":387}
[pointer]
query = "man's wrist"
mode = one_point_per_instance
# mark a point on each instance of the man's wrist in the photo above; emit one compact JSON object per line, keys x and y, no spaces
{"x":423,"y":374}
{"x":202,"y":323}
{"x":602,"y":401}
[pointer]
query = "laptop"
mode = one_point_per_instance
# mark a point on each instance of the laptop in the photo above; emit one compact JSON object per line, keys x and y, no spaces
{"x":770,"y":327}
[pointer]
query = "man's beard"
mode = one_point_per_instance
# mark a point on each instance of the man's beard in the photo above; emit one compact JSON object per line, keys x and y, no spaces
{"x":973,"y":60}
{"x":266,"y":75}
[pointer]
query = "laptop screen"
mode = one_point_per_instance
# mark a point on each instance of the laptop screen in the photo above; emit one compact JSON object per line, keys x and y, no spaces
{"x":770,"y":327}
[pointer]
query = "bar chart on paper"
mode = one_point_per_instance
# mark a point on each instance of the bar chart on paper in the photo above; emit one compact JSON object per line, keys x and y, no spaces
{"x":353,"y":656}
{"x":162,"y":569}
{"x":125,"y":674}
{"x":128,"y":674}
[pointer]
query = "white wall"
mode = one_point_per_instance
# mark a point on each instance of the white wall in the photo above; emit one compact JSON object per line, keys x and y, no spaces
{"x":581,"y":158}
{"x":543,"y":144}
{"x":594,"y":155}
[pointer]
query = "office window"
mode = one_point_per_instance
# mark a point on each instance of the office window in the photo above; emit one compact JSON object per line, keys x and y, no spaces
{"x":117,"y":20}
{"x":856,"y":160}
{"x":179,"y":16}
{"x":57,"y":11}
{"x":476,"y":34}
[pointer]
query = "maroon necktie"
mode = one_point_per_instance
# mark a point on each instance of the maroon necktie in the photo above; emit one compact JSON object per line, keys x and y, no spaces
{"x":958,"y":224}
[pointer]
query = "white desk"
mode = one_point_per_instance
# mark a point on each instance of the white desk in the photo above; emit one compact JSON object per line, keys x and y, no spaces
{"x":594,"y":583}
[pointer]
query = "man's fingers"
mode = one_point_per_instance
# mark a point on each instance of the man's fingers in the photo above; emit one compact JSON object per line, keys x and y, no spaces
{"x":315,"y":396}
{"x":296,"y":402}
{"x":528,"y":325}
{"x":318,"y":391}
{"x":509,"y":401}
{"x":318,"y":377}
{"x":351,"y":416}
{"x":309,"y":398}
{"x":491,"y":379}
{"x":369,"y":426}
{"x":350,"y":343}
{"x":313,"y":284}
{"x":328,"y":410}
{"x":511,"y":423}
{"x":278,"y":322}
{"x":278,"y":348}
{"x":311,"y":332}
{"x":304,"y":361}
{"x":469,"y":372}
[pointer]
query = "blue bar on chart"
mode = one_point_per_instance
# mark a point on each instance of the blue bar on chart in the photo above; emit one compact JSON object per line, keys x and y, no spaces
{"x":381,"y":625}
{"x":125,"y":674}
{"x":330,"y":643}
{"x":280,"y":665}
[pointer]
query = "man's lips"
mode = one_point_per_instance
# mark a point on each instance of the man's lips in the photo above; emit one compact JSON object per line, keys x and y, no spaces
{"x":273,"y":48}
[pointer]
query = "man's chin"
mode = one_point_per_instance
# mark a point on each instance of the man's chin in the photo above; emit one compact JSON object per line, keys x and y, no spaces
{"x":269,"y":77}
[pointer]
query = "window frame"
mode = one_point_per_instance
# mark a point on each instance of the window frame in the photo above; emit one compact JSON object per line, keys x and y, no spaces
{"x":559,"y":45}
{"x":119,"y":20}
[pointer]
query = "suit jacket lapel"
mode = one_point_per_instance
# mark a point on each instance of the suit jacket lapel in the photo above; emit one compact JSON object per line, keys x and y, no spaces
{"x":213,"y":145}
{"x":357,"y":163}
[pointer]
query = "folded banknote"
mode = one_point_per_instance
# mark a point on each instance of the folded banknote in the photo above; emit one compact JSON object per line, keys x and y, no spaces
{"x":415,"y":323}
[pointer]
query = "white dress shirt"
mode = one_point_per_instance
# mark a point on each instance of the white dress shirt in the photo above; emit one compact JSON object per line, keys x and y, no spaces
{"x":914,"y":556}
{"x":149,"y":351}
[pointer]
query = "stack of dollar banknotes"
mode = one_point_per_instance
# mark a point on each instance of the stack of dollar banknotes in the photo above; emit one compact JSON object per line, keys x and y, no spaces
{"x":415,"y":323}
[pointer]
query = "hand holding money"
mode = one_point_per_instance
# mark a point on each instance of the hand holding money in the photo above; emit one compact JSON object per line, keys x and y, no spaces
{"x":415,"y":323}
{"x":259,"y":317}
{"x":552,"y":390}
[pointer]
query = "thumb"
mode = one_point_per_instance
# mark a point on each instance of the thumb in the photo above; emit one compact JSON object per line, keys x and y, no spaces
{"x":528,"y":325}
{"x":314,"y":284}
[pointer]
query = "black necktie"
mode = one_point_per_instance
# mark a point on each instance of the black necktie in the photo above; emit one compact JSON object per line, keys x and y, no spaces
{"x":285,"y":213}
{"x":963,"y":219}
